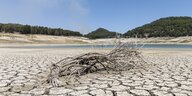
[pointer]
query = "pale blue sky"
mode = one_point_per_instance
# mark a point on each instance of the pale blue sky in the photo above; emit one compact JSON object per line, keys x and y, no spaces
{"x":88,"y":15}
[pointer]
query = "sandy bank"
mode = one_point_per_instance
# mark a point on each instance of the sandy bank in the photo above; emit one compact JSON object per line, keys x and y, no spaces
{"x":7,"y":38}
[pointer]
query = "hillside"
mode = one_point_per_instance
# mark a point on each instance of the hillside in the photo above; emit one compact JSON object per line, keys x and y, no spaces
{"x":27,"y":29}
{"x":164,"y":27}
{"x":101,"y":33}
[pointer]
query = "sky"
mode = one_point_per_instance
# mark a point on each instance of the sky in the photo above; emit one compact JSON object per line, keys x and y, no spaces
{"x":88,"y":15}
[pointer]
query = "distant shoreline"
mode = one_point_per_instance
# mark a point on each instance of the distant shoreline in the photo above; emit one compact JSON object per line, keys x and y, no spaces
{"x":20,"y":39}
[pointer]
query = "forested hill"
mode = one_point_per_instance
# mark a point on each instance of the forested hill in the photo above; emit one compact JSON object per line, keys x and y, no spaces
{"x":164,"y":27}
{"x":101,"y":33}
{"x":27,"y":29}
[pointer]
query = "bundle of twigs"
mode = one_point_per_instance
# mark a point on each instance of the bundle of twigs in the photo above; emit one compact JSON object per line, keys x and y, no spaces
{"x":122,"y":57}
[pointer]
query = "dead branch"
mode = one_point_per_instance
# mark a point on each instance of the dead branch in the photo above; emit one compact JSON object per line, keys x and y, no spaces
{"x":124,"y":57}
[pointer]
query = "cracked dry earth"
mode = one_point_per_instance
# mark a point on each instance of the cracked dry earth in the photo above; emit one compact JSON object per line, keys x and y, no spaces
{"x":22,"y":72}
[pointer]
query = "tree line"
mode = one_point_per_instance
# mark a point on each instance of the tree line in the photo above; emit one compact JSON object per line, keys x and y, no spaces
{"x":27,"y":29}
{"x":164,"y":27}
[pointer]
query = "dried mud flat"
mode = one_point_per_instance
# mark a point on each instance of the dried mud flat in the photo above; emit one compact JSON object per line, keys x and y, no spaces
{"x":22,"y":72}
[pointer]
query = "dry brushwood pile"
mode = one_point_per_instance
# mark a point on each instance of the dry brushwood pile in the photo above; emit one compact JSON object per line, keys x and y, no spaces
{"x":123,"y":57}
